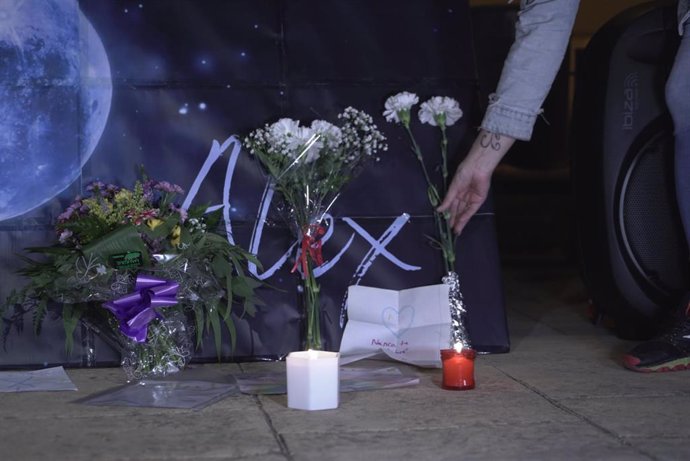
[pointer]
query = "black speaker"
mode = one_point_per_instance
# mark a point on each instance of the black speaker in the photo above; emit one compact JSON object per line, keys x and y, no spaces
{"x":633,"y":254}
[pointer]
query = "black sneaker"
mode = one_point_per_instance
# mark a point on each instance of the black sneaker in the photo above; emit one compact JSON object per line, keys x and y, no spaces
{"x":670,"y":352}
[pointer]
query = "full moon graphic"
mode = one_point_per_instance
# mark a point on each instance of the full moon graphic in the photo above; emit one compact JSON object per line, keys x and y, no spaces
{"x":55,"y":96}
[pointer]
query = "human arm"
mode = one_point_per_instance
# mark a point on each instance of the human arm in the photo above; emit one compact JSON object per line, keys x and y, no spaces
{"x":470,"y":185}
{"x":541,"y":38}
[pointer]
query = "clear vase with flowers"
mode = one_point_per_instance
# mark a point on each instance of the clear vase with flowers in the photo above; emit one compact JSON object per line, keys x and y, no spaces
{"x":134,"y":267}
{"x":309,"y":165}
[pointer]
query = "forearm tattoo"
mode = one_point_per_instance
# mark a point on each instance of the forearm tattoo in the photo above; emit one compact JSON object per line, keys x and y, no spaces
{"x":492,"y":140}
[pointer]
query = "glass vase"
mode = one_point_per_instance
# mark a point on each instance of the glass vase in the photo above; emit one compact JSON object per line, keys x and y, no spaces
{"x":312,"y":310}
{"x":167,"y":350}
{"x":168,"y":347}
{"x":106,"y":330}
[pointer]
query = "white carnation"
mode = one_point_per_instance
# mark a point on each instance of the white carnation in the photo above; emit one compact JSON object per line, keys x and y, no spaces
{"x":399,"y":104}
{"x":440,"y":109}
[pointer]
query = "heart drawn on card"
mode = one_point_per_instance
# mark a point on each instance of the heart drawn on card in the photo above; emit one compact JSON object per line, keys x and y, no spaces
{"x":398,"y":321}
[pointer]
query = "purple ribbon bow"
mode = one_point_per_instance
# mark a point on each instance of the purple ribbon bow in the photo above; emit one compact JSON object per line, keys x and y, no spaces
{"x":135,"y":310}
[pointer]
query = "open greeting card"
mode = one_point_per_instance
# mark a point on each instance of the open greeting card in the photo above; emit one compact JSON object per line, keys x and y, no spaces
{"x":409,"y":326}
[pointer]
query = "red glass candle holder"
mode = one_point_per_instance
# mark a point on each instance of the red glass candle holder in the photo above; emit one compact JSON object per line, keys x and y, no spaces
{"x":458,"y":369}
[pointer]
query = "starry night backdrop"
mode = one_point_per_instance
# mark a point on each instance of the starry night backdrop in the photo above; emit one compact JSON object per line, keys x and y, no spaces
{"x":183,"y":74}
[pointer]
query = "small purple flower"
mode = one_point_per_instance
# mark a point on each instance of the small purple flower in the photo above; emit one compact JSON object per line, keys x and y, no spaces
{"x":65,"y":215}
{"x":170,"y":188}
{"x":181,"y":211}
{"x":111,"y":190}
{"x":149,"y":184}
{"x":95,"y":186}
{"x":70,"y":210}
{"x":147,"y":188}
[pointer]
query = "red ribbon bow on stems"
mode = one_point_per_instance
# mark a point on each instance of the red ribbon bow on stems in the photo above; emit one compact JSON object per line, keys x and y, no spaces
{"x":311,"y":246}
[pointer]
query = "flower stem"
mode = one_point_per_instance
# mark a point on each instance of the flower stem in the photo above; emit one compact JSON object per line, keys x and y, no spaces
{"x":311,"y":294}
{"x":445,"y":232}
{"x":433,"y":195}
{"x":444,"y":156}
{"x":447,"y":235}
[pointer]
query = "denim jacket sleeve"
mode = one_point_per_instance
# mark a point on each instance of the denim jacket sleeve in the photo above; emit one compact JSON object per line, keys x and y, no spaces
{"x":542,"y":33}
{"x":683,"y":14}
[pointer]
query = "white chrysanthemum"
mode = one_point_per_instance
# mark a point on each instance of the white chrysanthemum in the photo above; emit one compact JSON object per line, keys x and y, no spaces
{"x":282,"y":130}
{"x":331,"y":135}
{"x":303,"y":136}
{"x":399,"y":105}
{"x":440,"y":110}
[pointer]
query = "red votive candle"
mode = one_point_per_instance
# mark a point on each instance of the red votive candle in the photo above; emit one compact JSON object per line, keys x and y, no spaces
{"x":458,"y":369}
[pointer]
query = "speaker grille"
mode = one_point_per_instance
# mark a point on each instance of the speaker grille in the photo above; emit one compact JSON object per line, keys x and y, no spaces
{"x":652,"y":233}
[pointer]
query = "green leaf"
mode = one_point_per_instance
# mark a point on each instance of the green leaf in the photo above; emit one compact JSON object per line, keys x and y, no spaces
{"x":186,"y":237}
{"x":199,"y":321}
{"x":435,"y":243}
{"x":70,"y":318}
{"x":39,"y":314}
{"x":230,"y":324}
{"x":228,"y":290}
{"x":250,"y":257}
{"x":122,"y":240}
{"x":433,"y":196}
{"x":250,"y":307}
{"x":220,"y":266}
{"x":242,"y":287}
{"x":213,"y":218}
{"x":253,"y":283}
{"x":87,"y":228}
{"x":216,"y":240}
{"x":51,"y":250}
{"x":237,"y":265}
{"x":214,"y":318}
{"x":224,"y":309}
{"x":164,"y":229}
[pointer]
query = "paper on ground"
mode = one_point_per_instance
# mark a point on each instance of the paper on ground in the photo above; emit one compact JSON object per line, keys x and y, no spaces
{"x":409,"y":326}
{"x":187,"y":394}
{"x":47,"y":379}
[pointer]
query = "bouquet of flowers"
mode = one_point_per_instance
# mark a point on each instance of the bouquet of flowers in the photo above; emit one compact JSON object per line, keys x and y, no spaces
{"x":441,"y":112}
{"x":133,"y":266}
{"x":309,"y":165}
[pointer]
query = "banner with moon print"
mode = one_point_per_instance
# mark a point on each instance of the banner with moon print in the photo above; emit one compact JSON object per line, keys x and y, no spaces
{"x":90,"y":90}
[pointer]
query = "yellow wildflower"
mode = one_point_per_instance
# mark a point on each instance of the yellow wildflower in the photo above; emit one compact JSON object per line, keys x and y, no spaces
{"x":176,"y":236}
{"x":154,"y":222}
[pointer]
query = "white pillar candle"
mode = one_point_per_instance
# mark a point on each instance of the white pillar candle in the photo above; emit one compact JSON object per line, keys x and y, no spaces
{"x":313,"y":382}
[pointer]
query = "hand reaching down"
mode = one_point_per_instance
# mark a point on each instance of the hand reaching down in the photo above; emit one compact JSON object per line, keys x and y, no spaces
{"x":470,"y":185}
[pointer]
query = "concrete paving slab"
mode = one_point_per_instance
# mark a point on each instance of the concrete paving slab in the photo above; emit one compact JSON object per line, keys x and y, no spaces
{"x":646,"y":417}
{"x":139,"y":434}
{"x":408,"y":409}
{"x":664,"y":448}
{"x":470,"y":440}
{"x":585,"y":371}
